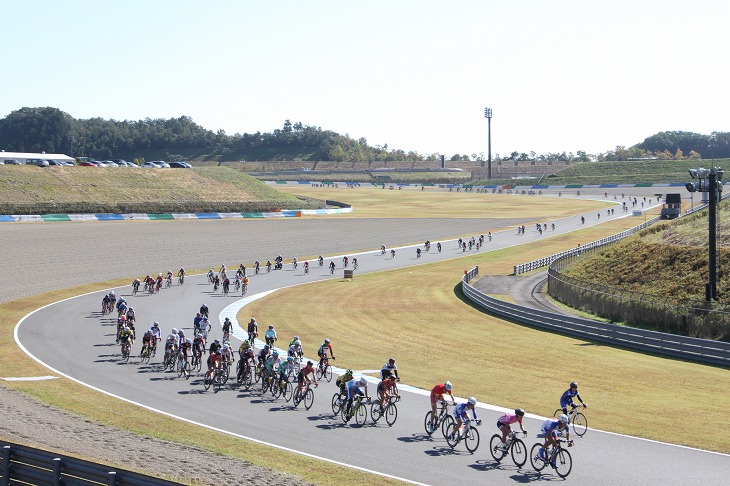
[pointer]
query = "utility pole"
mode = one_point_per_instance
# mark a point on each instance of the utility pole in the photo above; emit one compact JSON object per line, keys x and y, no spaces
{"x":488,"y":116}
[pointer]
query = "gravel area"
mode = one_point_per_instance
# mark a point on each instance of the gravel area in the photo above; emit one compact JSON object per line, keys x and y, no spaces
{"x":47,"y":427}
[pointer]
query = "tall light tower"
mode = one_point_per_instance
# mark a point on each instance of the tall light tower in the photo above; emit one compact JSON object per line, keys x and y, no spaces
{"x":488,"y":116}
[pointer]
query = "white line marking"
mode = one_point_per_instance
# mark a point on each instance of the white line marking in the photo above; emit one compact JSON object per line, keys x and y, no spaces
{"x":30,"y":378}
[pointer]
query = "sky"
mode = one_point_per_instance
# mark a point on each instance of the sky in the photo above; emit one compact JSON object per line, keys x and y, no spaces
{"x":559,"y":75}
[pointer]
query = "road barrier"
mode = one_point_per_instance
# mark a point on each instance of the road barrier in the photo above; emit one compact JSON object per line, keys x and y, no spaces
{"x":693,"y":349}
{"x":26,"y":465}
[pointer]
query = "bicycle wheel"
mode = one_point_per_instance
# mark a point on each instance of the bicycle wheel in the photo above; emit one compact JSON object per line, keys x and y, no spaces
{"x":264,"y":385}
{"x":218,"y":382}
{"x":538,"y":463}
{"x":451,"y":435}
{"x":361,"y":415}
{"x":186,"y":370}
{"x":376,"y":411}
{"x":448,"y":420}
{"x":179,"y":367}
{"x":580,"y":424}
{"x":336,"y":403}
{"x":557,"y":413}
{"x":239,"y":372}
{"x":391,"y":414}
{"x":428,"y":423}
{"x":563,"y":463}
{"x":519,"y":452}
{"x":247,"y":378}
{"x":308,"y":399}
{"x":328,"y":373}
{"x":288,"y":391}
{"x":319,"y":373}
{"x":472,"y":440}
{"x":257,"y":374}
{"x":495,"y":448}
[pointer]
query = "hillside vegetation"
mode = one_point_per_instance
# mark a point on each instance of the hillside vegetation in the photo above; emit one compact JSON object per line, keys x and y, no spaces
{"x":33,"y":190}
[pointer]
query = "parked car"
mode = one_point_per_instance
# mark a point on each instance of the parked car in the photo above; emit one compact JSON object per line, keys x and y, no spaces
{"x":88,"y":163}
{"x":151,"y":165}
{"x":55,"y":162}
{"x":161,"y":163}
{"x":11,"y":162}
{"x":179,"y":165}
{"x":38,"y":162}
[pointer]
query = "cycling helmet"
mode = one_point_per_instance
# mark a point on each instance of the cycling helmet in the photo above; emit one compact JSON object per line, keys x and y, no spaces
{"x":563,"y":419}
{"x":174,"y":330}
{"x":391,"y":361}
{"x":363,"y":380}
{"x":447,"y":385}
{"x":123,"y":318}
{"x":227,"y":319}
{"x":309,"y":363}
{"x":519,"y":412}
{"x":217,"y":341}
{"x":266,"y":347}
{"x":131,"y":308}
{"x":275,"y":354}
{"x":297,"y":342}
{"x":121,"y":299}
{"x":189,"y":341}
{"x":290,"y":359}
{"x":296,"y":338}
{"x":327,"y":341}
{"x":348,"y":372}
{"x":574,"y":384}
{"x":246,"y":343}
{"x":271,"y":327}
{"x":200,"y":335}
{"x":111,"y":292}
{"x":156,"y":324}
{"x":472,"y":401}
{"x":126,"y":328}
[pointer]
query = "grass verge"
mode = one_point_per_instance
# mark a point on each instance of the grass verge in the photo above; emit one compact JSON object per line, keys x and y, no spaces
{"x":103,"y":409}
{"x":505,"y":363}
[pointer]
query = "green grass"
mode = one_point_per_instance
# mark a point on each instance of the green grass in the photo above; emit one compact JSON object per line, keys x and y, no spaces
{"x":506,"y":363}
{"x":32,"y":190}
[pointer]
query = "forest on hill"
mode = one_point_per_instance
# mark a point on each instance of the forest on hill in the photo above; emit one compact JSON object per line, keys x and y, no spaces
{"x":51,"y":130}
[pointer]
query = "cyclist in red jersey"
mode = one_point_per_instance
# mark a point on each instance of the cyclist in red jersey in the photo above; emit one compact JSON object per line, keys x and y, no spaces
{"x":437,"y":393}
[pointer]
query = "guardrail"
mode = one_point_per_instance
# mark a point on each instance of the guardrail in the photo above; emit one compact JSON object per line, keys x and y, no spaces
{"x":26,"y":465}
{"x":694,"y":349}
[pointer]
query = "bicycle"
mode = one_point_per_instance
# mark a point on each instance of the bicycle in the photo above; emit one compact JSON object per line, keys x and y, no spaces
{"x":358,"y":411}
{"x":135,"y":287}
{"x":324,"y":370}
{"x":444,"y":419}
{"x":183,"y":366}
{"x":126,"y":348}
{"x":578,"y":419}
{"x":168,"y":282}
{"x":470,"y":435}
{"x":238,"y":285}
{"x":515,"y":447}
{"x":145,"y":354}
{"x":558,"y":458}
{"x":215,"y":379}
{"x":338,"y":402}
{"x":181,"y":280}
{"x":196,"y":362}
{"x":243,"y":373}
{"x":390,"y":410}
{"x":306,"y":395}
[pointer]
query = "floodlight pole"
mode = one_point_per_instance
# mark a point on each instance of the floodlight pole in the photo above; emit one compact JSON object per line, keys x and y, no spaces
{"x":488,"y":116}
{"x":711,"y":289}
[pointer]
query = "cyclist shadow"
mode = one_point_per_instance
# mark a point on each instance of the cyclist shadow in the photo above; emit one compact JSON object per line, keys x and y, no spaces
{"x":194,"y":391}
{"x":106,"y":345}
{"x":444,"y":451}
{"x":333,"y":424}
{"x":321,"y":416}
{"x":170,"y":377}
{"x":416,"y":438}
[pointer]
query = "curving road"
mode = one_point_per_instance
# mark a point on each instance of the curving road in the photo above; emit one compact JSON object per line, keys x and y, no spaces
{"x":86,"y":352}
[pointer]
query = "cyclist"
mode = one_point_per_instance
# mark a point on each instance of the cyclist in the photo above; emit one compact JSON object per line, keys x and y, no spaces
{"x":322,"y":351}
{"x":263,"y":355}
{"x":354,"y":263}
{"x":196,"y":323}
{"x":295,"y":262}
{"x":131,"y":316}
{"x":271,"y":336}
{"x":253,"y":330}
{"x":204,"y":310}
{"x":147,"y":339}
{"x":285,"y":368}
{"x":198,"y":345}
{"x":214,"y":362}
{"x":227,"y":354}
{"x":382,"y":249}
{"x":181,"y":274}
{"x":268,"y":266}
{"x":342,"y":381}
{"x":392,"y":253}
{"x":223,"y":269}
{"x":384,"y":388}
{"x":257,"y":267}
{"x":271,"y":363}
{"x":295,"y":348}
{"x":227,"y":328}
{"x":461,"y":414}
{"x":437,"y":394}
{"x":345,"y":261}
{"x":332,"y":267}
{"x":566,"y":398}
{"x":126,"y":337}
{"x":306,"y":267}
{"x":389,"y":368}
{"x":504,"y":425}
{"x":171,"y":343}
{"x":158,"y":336}
{"x":180,"y":337}
{"x":186,"y":348}
{"x":226,"y":284}
{"x":246,"y":356}
{"x":418,"y":253}
{"x":244,"y":288}
{"x":438,"y":246}
{"x":215,"y":347}
{"x":135,"y":285}
{"x":302,"y":376}
{"x":355,"y":387}
{"x":210,"y":275}
{"x":550,"y":428}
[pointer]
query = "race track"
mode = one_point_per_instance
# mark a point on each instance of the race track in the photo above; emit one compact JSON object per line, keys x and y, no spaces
{"x":86,"y":352}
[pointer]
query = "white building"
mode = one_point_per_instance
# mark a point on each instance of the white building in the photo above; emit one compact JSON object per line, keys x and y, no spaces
{"x":23,"y":157}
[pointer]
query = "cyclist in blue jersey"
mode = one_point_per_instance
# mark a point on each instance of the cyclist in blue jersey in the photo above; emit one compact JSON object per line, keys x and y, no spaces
{"x":566,"y":398}
{"x":550,"y":428}
{"x":461,"y":414}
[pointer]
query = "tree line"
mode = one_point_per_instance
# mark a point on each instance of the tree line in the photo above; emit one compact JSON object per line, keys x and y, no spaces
{"x":51,"y":130}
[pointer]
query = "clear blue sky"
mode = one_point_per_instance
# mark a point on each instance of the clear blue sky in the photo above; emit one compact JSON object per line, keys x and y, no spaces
{"x":559,"y":75}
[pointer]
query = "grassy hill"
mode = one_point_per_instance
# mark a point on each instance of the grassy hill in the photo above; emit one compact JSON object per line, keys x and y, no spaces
{"x":34,"y":190}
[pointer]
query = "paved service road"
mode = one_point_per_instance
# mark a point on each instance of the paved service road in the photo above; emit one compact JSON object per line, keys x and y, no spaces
{"x":85,"y":351}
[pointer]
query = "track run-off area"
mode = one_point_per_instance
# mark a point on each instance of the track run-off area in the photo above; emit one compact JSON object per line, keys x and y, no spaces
{"x":86,"y":352}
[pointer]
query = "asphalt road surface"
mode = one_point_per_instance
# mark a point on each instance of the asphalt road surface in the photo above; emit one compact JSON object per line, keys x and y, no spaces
{"x":86,"y":351}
